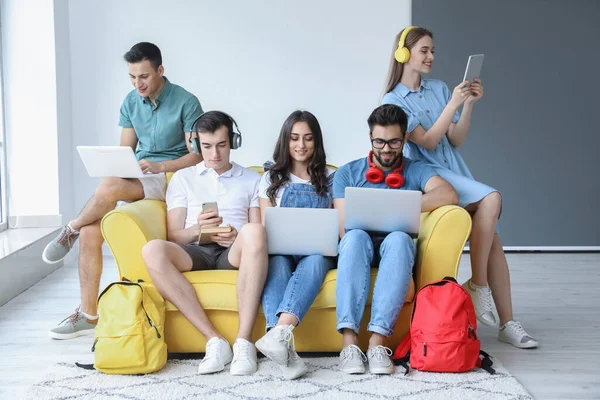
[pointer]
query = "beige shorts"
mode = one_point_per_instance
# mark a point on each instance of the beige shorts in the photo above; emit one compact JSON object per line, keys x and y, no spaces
{"x":155,"y":188}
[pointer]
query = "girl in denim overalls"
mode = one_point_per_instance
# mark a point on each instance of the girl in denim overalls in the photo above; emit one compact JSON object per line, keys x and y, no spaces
{"x":297,"y":177}
{"x":436,"y":131}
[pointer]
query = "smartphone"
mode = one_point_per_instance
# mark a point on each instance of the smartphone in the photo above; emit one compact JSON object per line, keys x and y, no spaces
{"x":210,"y":207}
{"x":473,"y":69}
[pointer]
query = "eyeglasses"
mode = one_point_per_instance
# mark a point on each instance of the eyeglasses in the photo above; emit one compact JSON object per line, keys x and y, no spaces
{"x":380,"y":143}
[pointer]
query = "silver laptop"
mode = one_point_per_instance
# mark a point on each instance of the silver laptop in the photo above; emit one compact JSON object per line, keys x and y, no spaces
{"x":101,"y":161}
{"x":382,"y":210}
{"x":302,"y":231}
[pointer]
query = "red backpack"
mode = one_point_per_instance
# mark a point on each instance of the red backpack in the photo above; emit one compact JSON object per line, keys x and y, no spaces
{"x":442,"y":335}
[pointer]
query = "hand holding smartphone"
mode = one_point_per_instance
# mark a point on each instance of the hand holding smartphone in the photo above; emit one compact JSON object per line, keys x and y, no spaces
{"x":473,"y":69}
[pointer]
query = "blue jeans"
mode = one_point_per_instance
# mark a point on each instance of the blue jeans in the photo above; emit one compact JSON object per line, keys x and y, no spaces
{"x":356,"y":254}
{"x":293,"y":292}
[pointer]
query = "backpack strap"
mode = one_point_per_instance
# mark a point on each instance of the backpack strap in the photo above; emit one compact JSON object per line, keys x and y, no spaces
{"x":85,"y":366}
{"x":485,"y":362}
{"x":402,"y":353}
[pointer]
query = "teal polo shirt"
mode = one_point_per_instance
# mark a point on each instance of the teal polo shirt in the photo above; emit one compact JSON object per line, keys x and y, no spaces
{"x":161,"y":129}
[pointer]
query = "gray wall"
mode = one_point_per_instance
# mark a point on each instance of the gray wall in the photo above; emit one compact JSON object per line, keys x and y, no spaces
{"x":533,"y":136}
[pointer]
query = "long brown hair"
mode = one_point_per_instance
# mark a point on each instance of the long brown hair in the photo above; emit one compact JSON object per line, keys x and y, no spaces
{"x":280,"y":170}
{"x":396,"y":68}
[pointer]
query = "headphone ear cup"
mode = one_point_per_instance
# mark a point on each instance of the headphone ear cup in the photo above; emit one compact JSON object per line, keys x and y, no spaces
{"x":374,"y":175}
{"x":395,"y":180}
{"x":236,"y":141}
{"x":194,"y":145}
{"x":402,"y":55}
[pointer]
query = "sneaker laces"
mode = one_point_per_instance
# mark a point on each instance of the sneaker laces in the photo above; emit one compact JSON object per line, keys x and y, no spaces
{"x":381,"y":352}
{"x":516,"y":327}
{"x":484,"y":298}
{"x":349,"y":352}
{"x":73,"y":317}
{"x":242,"y":353}
{"x":212,"y":350}
{"x":67,"y":237}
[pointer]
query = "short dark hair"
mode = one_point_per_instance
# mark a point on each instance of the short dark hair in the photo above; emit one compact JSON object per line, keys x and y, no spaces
{"x":388,"y":115}
{"x":210,"y":121}
{"x":144,"y":51}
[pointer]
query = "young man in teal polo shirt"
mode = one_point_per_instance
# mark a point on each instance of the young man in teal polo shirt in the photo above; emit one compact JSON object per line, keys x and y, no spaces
{"x":156,"y":118}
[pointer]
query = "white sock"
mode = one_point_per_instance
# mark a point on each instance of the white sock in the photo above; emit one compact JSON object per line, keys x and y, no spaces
{"x":89,"y":317}
{"x":474,"y":286}
{"x":71,"y":228}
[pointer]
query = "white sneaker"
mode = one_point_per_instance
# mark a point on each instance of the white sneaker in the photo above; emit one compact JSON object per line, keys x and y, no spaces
{"x":278,"y":345}
{"x":218,"y":354}
{"x":482,"y":300}
{"x":352,"y":360}
{"x":274,"y":345}
{"x":380,"y":361}
{"x":244,"y":358}
{"x":512,"y":332}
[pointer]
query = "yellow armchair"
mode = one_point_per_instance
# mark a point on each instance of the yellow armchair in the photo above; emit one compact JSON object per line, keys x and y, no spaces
{"x":439,"y":246}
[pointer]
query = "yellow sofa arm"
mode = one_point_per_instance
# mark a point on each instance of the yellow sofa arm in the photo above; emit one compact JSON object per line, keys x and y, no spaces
{"x":441,"y":241}
{"x":128,"y":228}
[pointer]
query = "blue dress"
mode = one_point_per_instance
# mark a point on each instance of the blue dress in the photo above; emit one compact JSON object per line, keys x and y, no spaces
{"x":423,"y":107}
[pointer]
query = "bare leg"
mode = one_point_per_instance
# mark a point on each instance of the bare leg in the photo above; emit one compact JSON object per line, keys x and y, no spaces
{"x":499,"y":278}
{"x":90,"y":266}
{"x":109,"y":191}
{"x":485,"y":216}
{"x":166,"y":261}
{"x":249,"y":254}
{"x":287,"y":319}
{"x":349,"y":337}
{"x":376,"y":340}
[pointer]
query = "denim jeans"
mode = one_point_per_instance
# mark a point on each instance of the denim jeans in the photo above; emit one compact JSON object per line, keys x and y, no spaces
{"x":292,"y":284}
{"x":396,"y":255}
{"x":294,"y":281}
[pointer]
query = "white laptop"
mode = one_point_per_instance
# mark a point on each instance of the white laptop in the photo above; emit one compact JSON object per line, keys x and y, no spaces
{"x":101,"y":161}
{"x":302,"y":231}
{"x":382,"y":210}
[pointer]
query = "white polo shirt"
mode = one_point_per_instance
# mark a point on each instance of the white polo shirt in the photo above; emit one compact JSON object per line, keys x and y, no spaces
{"x":235,"y":192}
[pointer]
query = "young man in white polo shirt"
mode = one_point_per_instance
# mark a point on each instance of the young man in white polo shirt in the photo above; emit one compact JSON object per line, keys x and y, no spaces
{"x":235,"y":189}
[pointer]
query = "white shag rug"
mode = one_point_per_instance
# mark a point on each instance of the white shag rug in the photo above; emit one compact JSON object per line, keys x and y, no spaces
{"x":179,"y":380}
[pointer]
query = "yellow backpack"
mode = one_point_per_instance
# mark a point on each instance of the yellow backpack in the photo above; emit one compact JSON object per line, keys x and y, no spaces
{"x":130,"y":330}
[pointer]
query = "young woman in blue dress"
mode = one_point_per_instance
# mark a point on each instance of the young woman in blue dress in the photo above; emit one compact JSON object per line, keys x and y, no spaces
{"x":436,"y":130}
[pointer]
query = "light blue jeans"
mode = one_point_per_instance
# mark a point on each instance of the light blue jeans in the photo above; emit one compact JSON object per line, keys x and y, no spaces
{"x":292,"y":284}
{"x":357,"y":252}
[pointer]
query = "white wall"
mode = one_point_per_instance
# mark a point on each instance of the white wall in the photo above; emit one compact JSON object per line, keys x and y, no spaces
{"x":257,"y":60}
{"x":30,"y":105}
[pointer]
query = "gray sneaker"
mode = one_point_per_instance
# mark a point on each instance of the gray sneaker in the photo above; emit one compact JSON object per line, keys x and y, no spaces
{"x":73,"y":326}
{"x":352,"y":360}
{"x":380,"y":361}
{"x":60,"y":246}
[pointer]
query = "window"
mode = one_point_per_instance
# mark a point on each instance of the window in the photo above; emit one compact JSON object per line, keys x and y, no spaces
{"x":3,"y":180}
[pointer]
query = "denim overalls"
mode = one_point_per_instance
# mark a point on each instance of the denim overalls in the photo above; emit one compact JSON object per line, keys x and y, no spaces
{"x":293,"y":282}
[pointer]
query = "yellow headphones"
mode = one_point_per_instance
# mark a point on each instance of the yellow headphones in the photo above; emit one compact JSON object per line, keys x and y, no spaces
{"x":402,"y":54}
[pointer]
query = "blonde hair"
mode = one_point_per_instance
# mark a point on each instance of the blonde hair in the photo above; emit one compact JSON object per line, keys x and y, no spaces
{"x":395,"y":72}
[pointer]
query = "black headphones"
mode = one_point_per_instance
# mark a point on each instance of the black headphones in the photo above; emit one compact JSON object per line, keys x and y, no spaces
{"x":235,"y":136}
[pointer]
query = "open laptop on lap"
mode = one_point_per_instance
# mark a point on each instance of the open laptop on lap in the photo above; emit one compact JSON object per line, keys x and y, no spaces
{"x":102,"y":161}
{"x":382,"y":210}
{"x":302,"y":231}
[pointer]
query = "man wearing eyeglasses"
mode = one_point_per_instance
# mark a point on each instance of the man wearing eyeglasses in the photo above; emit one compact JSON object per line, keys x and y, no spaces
{"x":393,"y":253}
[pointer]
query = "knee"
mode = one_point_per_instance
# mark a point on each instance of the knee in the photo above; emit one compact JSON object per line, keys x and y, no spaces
{"x":492,"y":202}
{"x":254,"y":236}
{"x":355,"y":238}
{"x":109,"y":189}
{"x":397,"y":240}
{"x":318,"y":264}
{"x":152,"y":252}
{"x":90,"y":235}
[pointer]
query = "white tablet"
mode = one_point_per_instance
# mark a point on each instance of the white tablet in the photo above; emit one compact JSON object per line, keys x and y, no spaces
{"x":102,"y":161}
{"x":473,"y":67}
